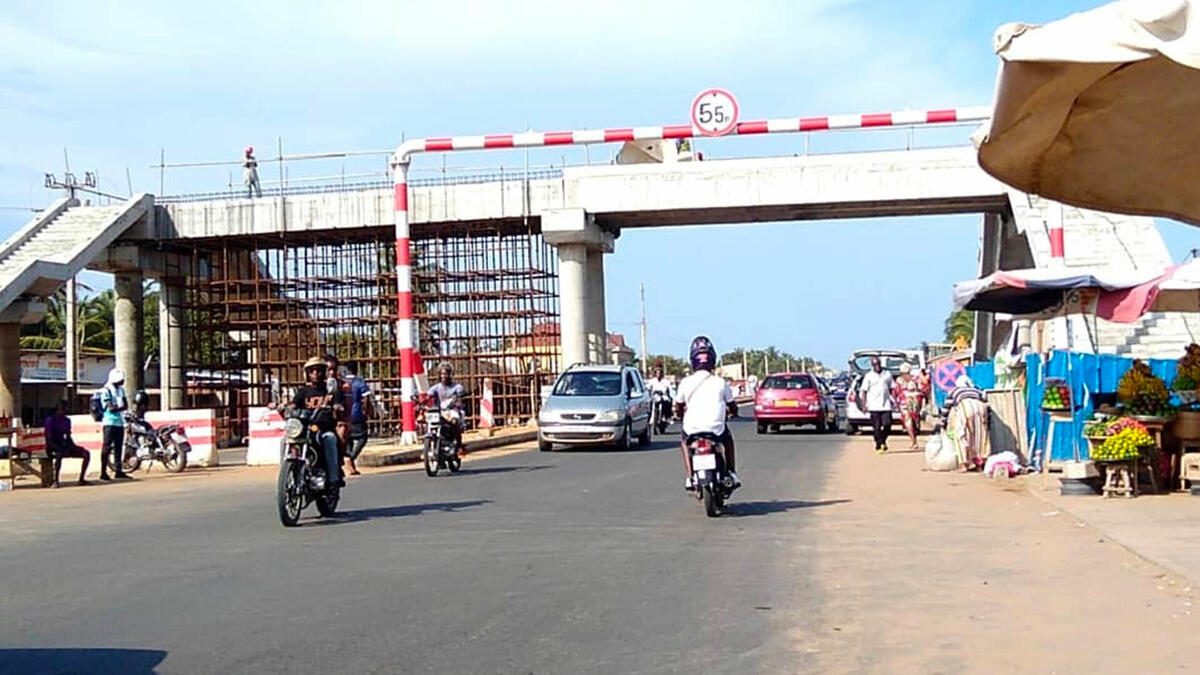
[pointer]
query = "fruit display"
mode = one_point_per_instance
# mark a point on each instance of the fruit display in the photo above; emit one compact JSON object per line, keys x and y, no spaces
{"x":1187,"y":373}
{"x":1143,"y":394}
{"x":1122,"y":423}
{"x":1123,"y":445}
{"x":1057,"y":395}
{"x":1097,"y":429}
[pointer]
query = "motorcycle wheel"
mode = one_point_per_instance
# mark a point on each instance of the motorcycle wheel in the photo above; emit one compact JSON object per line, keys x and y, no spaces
{"x":431,"y":463}
{"x":287,"y":493}
{"x":712,"y":504}
{"x":176,"y":459}
{"x":327,"y":502}
{"x":130,"y":462}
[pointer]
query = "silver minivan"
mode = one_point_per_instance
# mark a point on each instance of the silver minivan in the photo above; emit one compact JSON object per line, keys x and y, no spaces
{"x":596,"y":405}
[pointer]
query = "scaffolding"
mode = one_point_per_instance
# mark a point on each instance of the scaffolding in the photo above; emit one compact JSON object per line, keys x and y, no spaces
{"x":486,"y":302}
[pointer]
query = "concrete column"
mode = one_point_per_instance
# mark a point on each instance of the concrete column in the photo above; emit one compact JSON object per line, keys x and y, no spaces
{"x":171,"y":346}
{"x":127,"y":327}
{"x":596,"y":317}
{"x":572,"y":293}
{"x":10,"y":370}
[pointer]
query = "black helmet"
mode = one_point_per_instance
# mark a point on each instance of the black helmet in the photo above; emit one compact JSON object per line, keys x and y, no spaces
{"x":141,"y":398}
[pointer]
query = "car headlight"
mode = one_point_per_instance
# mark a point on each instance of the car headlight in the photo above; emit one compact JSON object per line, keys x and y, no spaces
{"x":610,"y":415}
{"x":547,"y":416}
{"x":293,"y":429}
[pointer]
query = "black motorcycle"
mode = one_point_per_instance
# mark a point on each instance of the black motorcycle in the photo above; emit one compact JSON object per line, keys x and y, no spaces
{"x":712,"y":482}
{"x":661,"y":413}
{"x":441,"y":441}
{"x":145,"y":443}
{"x":303,"y":477}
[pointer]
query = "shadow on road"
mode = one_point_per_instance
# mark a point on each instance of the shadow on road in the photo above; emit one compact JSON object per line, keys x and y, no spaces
{"x":361,"y":515}
{"x":774,"y":506}
{"x":466,"y":471}
{"x":83,"y":660}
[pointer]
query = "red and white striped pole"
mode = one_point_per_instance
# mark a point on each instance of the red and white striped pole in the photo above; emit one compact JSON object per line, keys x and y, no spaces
{"x":530,"y":139}
{"x":1054,"y":228}
{"x":487,"y":413}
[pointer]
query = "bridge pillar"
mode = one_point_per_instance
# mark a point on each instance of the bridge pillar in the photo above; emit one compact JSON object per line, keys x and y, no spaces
{"x":170,"y":346}
{"x":128,"y":327}
{"x":11,"y":318}
{"x":597,"y":319}
{"x":581,"y":247}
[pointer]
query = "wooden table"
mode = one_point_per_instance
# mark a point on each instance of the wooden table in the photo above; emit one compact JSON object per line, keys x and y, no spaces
{"x":1120,"y":477}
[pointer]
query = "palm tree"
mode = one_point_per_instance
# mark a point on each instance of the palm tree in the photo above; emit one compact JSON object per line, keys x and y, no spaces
{"x":960,"y":323}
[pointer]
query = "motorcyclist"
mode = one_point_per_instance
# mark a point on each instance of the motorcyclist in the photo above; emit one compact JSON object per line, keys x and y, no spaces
{"x":314,"y":395}
{"x":660,"y":389}
{"x":705,"y":399}
{"x":451,"y":399}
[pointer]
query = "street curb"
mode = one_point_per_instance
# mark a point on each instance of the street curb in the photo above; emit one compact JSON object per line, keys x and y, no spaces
{"x":394,"y":457}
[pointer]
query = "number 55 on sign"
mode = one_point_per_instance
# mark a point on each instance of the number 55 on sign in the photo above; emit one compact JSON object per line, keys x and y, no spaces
{"x":714,"y":112}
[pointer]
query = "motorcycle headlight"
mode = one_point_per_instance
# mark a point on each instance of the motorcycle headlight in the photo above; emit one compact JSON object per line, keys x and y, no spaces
{"x":293,"y":429}
{"x":610,"y":415}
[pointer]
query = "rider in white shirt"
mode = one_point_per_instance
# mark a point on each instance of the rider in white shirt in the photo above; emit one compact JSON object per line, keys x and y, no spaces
{"x":659,"y":384}
{"x":706,"y":400}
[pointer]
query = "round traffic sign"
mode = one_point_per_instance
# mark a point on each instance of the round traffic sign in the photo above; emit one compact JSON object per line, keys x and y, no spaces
{"x":947,"y":374}
{"x":714,"y":112}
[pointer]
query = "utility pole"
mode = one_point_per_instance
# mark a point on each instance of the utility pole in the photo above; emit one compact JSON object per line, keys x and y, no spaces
{"x":645,"y":353}
{"x":766,"y":365}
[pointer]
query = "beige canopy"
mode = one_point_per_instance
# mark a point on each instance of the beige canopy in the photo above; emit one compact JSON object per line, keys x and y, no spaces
{"x":1102,"y":109}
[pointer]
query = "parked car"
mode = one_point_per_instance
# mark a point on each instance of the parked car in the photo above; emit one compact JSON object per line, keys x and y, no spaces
{"x":860,"y":363}
{"x":596,"y":405}
{"x":794,"y":399}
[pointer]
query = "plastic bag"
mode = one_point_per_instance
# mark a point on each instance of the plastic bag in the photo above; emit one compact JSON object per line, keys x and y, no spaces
{"x":940,"y":454}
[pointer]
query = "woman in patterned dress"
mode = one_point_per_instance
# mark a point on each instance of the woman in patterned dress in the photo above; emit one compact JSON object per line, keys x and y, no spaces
{"x":911,"y":396}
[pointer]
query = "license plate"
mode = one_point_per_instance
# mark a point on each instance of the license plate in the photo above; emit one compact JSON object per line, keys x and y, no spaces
{"x":179,"y":438}
{"x":433,"y":418}
{"x":704,"y":463}
{"x":787,"y":404}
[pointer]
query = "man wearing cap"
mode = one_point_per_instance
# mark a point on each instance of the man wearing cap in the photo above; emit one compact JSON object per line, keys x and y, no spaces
{"x":250,"y":175}
{"x":115,"y":403}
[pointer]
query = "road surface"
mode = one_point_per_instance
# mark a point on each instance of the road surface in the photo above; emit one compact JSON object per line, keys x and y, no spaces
{"x":568,"y":562}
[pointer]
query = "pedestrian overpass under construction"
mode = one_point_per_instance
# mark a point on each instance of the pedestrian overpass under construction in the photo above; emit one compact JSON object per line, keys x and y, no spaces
{"x":508,"y":268}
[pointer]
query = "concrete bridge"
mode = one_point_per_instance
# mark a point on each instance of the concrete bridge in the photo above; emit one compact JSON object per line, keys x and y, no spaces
{"x":581,"y":211}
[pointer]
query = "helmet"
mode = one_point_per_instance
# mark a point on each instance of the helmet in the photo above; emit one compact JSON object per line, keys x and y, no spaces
{"x":315,"y":362}
{"x":703,"y":355}
{"x":249,"y":149}
{"x":141,"y":398}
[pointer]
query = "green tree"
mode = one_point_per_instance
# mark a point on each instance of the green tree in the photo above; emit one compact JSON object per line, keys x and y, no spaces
{"x":960,"y":323}
{"x":671,"y":365}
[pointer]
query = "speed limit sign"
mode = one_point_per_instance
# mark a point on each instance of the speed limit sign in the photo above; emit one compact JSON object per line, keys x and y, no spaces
{"x":714,"y":112}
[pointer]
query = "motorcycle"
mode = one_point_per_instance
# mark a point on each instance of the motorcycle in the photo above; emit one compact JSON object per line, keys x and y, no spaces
{"x":303,"y":476}
{"x":144,"y":443}
{"x":441,"y":445}
{"x":661,"y":413}
{"x":713,"y":484}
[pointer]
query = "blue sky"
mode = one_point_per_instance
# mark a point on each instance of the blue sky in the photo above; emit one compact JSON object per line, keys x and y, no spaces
{"x":115,"y":83}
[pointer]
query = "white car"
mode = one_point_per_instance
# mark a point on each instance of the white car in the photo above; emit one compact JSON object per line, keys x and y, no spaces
{"x":860,"y":363}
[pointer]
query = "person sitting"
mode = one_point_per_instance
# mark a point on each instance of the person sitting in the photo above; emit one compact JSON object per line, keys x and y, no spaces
{"x":60,"y":444}
{"x":451,"y":400}
{"x":314,"y":396}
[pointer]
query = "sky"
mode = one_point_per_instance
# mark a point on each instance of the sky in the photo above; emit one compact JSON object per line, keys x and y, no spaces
{"x":118,"y":83}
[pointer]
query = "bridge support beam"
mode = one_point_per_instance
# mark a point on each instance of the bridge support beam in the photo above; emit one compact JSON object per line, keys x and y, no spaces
{"x":581,"y":248}
{"x":10,"y":370}
{"x":128,"y":327}
{"x":170,"y":346}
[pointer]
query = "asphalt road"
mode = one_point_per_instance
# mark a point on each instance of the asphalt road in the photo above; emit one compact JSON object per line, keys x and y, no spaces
{"x":568,"y":562}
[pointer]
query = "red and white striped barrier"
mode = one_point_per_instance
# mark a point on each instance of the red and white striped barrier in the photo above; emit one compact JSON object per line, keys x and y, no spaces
{"x":266,"y":437}
{"x":405,"y":330}
{"x":487,"y":415}
{"x":31,"y":440}
{"x":199,"y":425}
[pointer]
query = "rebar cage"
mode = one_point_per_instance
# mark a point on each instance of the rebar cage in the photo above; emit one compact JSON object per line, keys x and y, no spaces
{"x":486,"y":302}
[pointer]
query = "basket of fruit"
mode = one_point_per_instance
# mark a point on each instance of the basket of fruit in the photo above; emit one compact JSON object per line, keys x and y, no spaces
{"x":1057,"y":397}
{"x":1186,"y":385}
{"x":1143,"y":395}
{"x":1126,"y":443}
{"x":1097,"y":430}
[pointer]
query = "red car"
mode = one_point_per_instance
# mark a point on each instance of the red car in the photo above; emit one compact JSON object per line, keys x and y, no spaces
{"x":794,"y":399}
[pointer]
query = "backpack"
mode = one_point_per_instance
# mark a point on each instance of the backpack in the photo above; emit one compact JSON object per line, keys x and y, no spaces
{"x":96,"y":406}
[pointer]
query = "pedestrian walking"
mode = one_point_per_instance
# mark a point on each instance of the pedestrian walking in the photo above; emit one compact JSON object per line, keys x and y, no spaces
{"x":60,"y":444}
{"x":876,"y":396}
{"x":250,"y":173}
{"x":912,"y":397}
{"x":361,"y":408}
{"x":274,"y":389}
{"x":115,"y":403}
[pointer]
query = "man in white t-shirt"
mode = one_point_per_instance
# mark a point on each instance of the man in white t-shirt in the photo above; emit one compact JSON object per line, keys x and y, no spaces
{"x":706,"y":400}
{"x":876,"y":397}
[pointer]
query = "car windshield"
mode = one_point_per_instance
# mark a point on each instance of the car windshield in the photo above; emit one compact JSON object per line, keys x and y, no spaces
{"x":891,"y":361}
{"x":789,"y":382}
{"x":588,"y":384}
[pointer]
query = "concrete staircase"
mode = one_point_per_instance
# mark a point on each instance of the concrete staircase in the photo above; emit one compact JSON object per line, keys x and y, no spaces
{"x":60,"y":242}
{"x":1094,"y":238}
